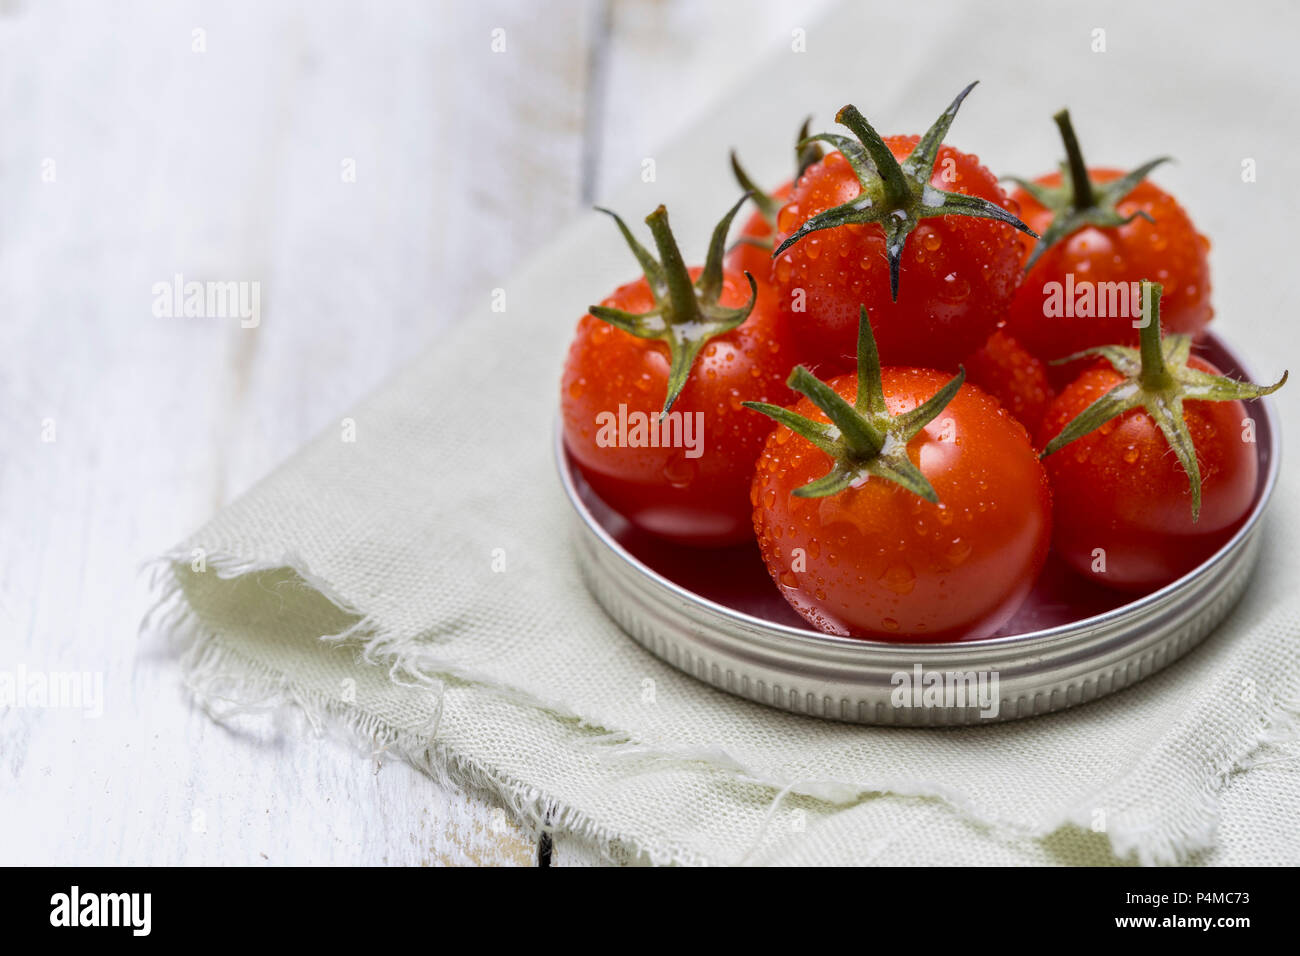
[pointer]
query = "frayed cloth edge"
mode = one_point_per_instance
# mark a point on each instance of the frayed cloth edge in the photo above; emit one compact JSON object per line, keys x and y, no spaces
{"x":259,"y":689}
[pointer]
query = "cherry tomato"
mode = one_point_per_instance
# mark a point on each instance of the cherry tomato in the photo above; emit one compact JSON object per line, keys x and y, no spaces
{"x":861,"y":552}
{"x":918,"y":232}
{"x":752,"y":251}
{"x":686,"y":480}
{"x":1007,"y":371}
{"x":1122,"y":502}
{"x":1096,"y":248}
{"x":1149,"y":460}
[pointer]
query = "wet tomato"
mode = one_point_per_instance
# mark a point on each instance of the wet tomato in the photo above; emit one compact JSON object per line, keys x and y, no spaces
{"x":918,"y":232}
{"x":1152,"y":461}
{"x":1098,"y":242}
{"x":691,"y":344}
{"x":900,"y":504}
{"x":1019,"y":380}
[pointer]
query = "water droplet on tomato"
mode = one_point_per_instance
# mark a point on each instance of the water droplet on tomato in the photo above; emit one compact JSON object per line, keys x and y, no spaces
{"x":955,"y":287}
{"x":680,"y":470}
{"x":899,"y":578}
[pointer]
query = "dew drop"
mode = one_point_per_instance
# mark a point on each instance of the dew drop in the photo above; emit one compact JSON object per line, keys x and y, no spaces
{"x":955,"y":287}
{"x":680,"y":470}
{"x":899,"y":578}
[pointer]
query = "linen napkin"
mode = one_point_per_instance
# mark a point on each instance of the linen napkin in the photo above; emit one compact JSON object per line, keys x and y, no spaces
{"x":409,"y":574}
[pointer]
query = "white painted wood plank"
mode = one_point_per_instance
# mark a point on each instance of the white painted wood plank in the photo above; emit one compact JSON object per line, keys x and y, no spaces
{"x":226,"y":164}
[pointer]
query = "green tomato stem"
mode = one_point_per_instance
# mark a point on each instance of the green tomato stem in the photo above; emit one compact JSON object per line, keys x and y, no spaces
{"x":862,"y":439}
{"x":1079,"y":181}
{"x":1155,"y":375}
{"x":685,"y":314}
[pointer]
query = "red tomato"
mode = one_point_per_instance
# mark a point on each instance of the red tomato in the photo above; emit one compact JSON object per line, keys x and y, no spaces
{"x":1122,"y":502}
{"x":956,"y":274}
{"x":1150,"y":464}
{"x":690,"y":484}
{"x":752,"y":251}
{"x":1121,"y":230}
{"x":877,"y":560}
{"x":1169,"y":250}
{"x":1017,"y":379}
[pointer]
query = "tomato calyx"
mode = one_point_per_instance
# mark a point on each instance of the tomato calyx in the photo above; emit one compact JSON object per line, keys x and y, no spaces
{"x":1157,"y":380}
{"x":686,"y":314}
{"x":1079,"y":201}
{"x":862,"y":439}
{"x":806,"y":152}
{"x":896,"y":196}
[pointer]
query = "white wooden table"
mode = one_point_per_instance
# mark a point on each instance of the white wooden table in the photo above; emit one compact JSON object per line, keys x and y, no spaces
{"x":376,"y":169}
